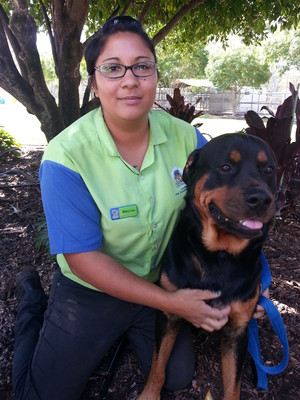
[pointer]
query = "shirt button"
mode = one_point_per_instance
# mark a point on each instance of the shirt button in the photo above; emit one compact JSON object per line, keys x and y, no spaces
{"x":152,"y":199}
{"x":142,"y":177}
{"x":154,"y":226}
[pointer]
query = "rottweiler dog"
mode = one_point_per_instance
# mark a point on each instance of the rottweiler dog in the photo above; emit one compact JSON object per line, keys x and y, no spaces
{"x":217,"y":244}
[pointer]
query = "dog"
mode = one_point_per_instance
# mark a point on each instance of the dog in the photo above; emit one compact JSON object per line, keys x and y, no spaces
{"x":216,"y":245}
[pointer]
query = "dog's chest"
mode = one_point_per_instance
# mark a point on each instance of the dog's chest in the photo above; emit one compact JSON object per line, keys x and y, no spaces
{"x":235,"y":277}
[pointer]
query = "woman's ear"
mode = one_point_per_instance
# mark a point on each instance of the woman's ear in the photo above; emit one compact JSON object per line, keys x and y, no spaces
{"x":93,"y":85}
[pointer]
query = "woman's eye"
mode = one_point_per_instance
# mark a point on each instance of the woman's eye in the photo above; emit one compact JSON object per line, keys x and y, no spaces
{"x":142,"y":67}
{"x":111,"y":68}
{"x":114,"y":68}
{"x":225,"y":168}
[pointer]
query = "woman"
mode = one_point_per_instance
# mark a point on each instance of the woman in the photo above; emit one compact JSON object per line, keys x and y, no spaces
{"x":111,"y":201}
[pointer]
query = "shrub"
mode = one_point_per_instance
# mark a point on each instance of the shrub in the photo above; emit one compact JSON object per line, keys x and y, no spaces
{"x":277,"y":133}
{"x":179,"y":109}
{"x":8,"y":145}
{"x":42,"y":239}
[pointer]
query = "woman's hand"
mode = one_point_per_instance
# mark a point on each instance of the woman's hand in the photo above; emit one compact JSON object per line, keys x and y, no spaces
{"x":259,"y":310}
{"x":190,"y":304}
{"x":107,"y":275}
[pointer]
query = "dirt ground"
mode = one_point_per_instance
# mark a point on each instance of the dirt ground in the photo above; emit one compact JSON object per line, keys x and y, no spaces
{"x":21,"y":209}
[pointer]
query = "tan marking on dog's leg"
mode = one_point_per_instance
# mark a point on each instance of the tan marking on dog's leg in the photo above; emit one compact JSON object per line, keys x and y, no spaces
{"x":230,"y":385}
{"x":166,"y":284}
{"x":156,"y":377}
{"x":239,"y":317}
{"x":241,"y":312}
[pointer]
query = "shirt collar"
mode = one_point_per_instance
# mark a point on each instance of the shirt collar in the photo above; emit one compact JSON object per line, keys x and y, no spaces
{"x":156,"y":132}
{"x":157,"y":135}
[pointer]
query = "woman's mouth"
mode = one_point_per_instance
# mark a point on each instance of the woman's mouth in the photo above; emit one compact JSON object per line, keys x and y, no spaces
{"x":131,"y":100}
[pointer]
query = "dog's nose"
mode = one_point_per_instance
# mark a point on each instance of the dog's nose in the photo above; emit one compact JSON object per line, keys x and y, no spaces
{"x":258,"y":199}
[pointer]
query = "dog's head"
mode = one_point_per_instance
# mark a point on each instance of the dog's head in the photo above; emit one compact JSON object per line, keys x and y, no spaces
{"x":232,"y":183}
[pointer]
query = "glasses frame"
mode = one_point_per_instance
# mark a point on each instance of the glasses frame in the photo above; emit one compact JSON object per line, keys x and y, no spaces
{"x":127,"y":67}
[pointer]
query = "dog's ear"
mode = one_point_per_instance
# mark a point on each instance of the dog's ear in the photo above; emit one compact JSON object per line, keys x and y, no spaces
{"x":190,"y":167}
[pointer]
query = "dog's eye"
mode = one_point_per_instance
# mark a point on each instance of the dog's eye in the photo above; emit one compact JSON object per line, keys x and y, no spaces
{"x":269,"y":170}
{"x":225,"y":168}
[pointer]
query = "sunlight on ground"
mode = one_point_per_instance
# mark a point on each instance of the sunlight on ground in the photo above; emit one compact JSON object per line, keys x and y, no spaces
{"x":284,"y":308}
{"x":25,"y":128}
{"x":218,"y":126}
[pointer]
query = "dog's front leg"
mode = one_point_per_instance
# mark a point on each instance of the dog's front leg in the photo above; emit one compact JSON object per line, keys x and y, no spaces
{"x":233,"y":351}
{"x":166,"y":331}
{"x":234,"y":345}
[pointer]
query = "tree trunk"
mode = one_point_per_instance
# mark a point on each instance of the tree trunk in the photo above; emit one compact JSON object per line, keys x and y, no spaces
{"x":29,"y":86}
{"x":25,"y":81}
{"x":68,"y":22}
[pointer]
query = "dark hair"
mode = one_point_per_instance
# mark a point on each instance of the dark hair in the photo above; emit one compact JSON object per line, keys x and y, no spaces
{"x":112,"y":26}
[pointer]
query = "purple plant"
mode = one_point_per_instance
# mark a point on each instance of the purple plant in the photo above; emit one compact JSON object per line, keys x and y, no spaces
{"x":180,"y":109}
{"x":277,"y":133}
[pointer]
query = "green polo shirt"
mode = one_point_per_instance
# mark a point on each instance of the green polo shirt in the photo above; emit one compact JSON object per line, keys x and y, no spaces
{"x":94,"y":199}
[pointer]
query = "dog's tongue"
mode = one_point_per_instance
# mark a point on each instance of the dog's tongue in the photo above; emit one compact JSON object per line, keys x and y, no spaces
{"x":252,"y":223}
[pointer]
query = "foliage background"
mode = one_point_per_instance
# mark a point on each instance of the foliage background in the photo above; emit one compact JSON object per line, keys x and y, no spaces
{"x":189,"y":24}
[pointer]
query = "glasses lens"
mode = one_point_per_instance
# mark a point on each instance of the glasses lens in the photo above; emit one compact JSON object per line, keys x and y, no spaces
{"x":112,"y":70}
{"x":143,"y":69}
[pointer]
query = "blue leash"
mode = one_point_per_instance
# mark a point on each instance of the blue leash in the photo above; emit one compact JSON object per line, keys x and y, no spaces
{"x":278,"y":326}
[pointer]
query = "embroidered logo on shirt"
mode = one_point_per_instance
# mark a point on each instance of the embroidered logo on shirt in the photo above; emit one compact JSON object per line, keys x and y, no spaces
{"x":177,"y":176}
{"x":123,"y":212}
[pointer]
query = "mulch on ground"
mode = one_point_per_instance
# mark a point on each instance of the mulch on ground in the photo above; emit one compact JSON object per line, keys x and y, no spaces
{"x":21,"y":211}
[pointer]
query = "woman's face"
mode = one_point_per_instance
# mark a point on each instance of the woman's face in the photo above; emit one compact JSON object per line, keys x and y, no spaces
{"x":128,"y":98}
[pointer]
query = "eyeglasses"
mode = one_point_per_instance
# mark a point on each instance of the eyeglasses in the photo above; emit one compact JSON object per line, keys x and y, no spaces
{"x":115,"y":71}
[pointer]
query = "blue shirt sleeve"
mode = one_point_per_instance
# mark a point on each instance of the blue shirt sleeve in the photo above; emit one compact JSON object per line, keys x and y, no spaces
{"x":73,"y":219}
{"x":200,"y":139}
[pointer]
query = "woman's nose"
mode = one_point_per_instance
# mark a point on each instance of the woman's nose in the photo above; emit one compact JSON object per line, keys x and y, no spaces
{"x":129,"y":79}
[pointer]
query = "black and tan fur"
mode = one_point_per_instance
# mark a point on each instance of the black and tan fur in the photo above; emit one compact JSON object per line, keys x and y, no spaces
{"x":216,"y":245}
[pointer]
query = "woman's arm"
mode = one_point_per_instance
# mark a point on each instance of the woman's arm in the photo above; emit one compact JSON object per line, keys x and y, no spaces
{"x":105,"y":274}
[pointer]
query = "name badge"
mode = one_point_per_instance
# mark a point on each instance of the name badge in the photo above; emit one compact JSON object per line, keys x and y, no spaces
{"x":123,"y":212}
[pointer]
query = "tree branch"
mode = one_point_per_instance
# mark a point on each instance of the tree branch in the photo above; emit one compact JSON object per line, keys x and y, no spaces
{"x":10,"y":78}
{"x":13,"y":42}
{"x":49,"y":30}
{"x":145,"y":10}
{"x":175,"y":20}
{"x":126,"y":7}
{"x":25,"y":30}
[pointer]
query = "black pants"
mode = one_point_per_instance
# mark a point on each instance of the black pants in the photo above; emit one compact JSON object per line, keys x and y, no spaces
{"x":56,"y":355}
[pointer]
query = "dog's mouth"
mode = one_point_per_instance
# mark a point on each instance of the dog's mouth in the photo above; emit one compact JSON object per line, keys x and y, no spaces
{"x":248,"y":228}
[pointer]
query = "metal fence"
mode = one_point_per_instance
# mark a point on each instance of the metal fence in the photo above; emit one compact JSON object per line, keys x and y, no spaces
{"x":212,"y":102}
